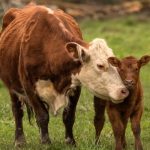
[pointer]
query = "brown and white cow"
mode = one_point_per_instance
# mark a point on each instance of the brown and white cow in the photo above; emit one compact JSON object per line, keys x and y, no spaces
{"x":43,"y":58}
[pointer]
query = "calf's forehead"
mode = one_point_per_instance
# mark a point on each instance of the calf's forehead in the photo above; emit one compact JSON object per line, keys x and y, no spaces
{"x":129,"y":62}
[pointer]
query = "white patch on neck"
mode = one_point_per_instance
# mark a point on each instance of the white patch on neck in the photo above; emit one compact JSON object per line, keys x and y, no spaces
{"x":48,"y":94}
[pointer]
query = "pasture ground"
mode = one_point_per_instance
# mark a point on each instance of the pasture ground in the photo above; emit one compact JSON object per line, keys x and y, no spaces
{"x":126,"y":36}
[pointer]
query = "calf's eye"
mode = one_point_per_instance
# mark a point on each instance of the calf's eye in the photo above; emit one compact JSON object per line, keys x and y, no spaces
{"x":121,"y":70}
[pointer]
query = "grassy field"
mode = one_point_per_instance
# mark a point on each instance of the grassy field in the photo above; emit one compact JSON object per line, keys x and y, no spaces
{"x":126,"y":36}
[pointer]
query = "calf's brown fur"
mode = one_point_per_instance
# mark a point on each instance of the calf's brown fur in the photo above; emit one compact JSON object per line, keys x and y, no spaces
{"x":131,"y":108}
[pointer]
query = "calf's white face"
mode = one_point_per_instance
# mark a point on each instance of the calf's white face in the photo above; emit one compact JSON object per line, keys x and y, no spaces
{"x":98,"y":75}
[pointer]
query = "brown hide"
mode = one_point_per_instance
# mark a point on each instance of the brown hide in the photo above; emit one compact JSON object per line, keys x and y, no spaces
{"x":34,"y":44}
{"x":133,"y":101}
{"x":131,"y":108}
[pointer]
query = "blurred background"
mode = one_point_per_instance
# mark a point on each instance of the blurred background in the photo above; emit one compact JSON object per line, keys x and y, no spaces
{"x":125,"y":24}
{"x":95,"y":9}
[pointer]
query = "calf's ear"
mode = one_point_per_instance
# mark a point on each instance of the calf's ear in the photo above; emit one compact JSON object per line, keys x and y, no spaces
{"x":144,"y":60}
{"x":78,"y":52}
{"x":114,"y":61}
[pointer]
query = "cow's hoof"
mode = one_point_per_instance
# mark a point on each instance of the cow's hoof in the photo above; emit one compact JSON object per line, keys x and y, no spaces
{"x":70,"y":141}
{"x":20,"y":142}
{"x":124,"y":145}
{"x":97,"y":142}
{"x":46,"y":140}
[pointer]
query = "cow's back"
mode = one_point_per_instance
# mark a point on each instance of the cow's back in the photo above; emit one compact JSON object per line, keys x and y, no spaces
{"x":30,"y":33}
{"x":9,"y":47}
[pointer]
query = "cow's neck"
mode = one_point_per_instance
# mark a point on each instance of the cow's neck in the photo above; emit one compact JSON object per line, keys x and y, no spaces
{"x":56,"y":93}
{"x":48,"y":94}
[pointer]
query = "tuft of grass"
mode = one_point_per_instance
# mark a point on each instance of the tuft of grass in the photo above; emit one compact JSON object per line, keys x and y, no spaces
{"x":126,"y":36}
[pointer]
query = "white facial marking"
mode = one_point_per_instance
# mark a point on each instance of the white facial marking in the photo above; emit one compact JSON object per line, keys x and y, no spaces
{"x":106,"y":82}
{"x":48,"y":94}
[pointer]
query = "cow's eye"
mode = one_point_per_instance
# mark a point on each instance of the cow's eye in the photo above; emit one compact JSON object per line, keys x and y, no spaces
{"x":100,"y":66}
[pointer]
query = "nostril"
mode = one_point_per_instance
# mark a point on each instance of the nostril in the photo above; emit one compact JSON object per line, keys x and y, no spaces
{"x":124,"y":91}
{"x":132,"y":82}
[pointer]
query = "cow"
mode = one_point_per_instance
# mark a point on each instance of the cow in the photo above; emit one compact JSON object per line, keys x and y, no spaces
{"x":131,"y":108}
{"x":44,"y":61}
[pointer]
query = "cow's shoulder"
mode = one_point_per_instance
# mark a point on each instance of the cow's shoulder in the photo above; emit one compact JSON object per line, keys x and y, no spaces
{"x":69,"y":22}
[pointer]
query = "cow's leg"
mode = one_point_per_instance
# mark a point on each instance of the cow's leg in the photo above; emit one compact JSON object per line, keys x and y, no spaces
{"x":41,"y":114}
{"x":69,"y":116}
{"x":117,"y":127}
{"x":42,"y":119}
{"x":99,"y":118}
{"x":135,"y":124}
{"x":39,"y":108}
{"x":18,"y":115}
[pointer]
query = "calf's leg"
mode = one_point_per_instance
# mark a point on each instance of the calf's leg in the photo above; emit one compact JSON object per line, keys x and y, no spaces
{"x":69,"y":116}
{"x":18,"y":115}
{"x":135,"y":125}
{"x":125,"y":121}
{"x":99,"y":118}
{"x":117,"y":126}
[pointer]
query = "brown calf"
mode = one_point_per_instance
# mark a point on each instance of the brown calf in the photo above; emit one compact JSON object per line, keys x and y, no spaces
{"x":132,"y":107}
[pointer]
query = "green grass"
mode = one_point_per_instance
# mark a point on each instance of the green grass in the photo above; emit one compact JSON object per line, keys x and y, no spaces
{"x":126,"y":36}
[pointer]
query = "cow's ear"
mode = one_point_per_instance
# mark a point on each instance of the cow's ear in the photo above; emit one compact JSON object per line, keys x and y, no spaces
{"x":77,"y":52}
{"x":144,"y":60}
{"x":114,"y":61}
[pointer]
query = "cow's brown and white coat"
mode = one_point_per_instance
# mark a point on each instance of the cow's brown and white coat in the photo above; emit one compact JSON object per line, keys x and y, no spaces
{"x":43,"y":58}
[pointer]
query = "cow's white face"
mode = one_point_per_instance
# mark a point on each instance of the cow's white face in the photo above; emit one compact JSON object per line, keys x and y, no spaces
{"x":96,"y":74}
